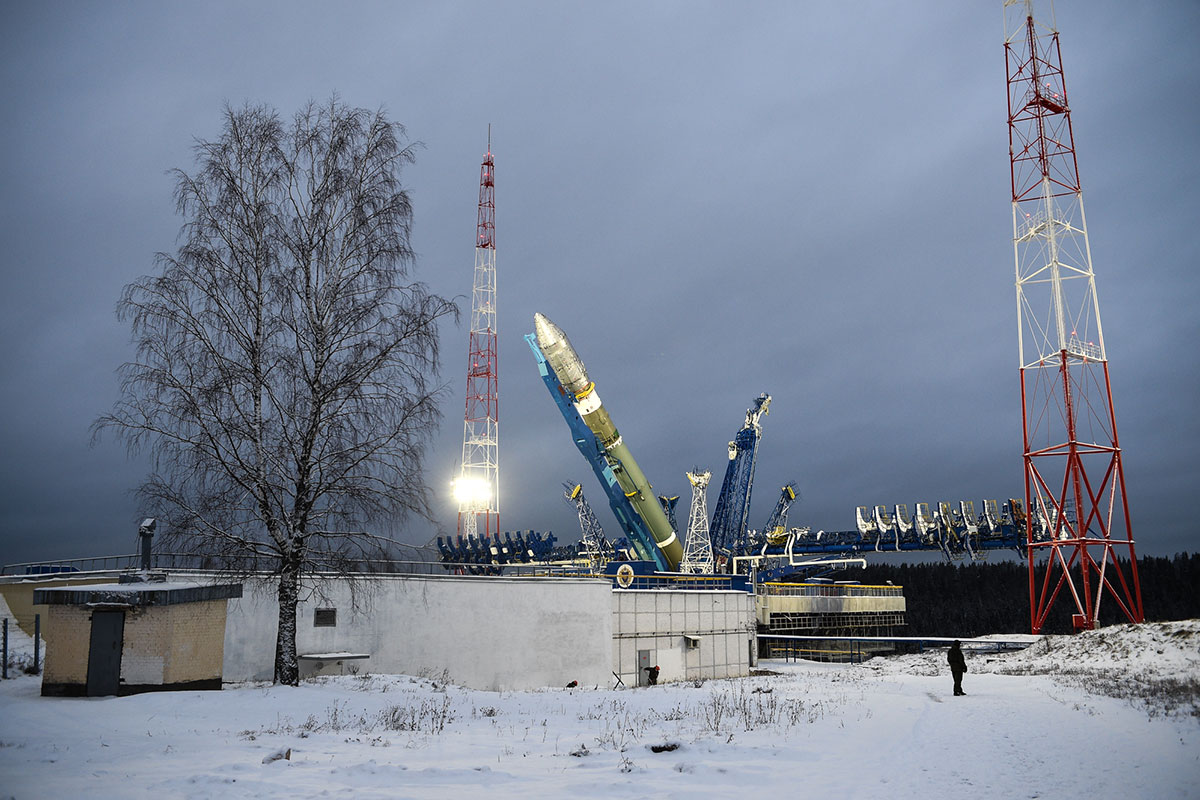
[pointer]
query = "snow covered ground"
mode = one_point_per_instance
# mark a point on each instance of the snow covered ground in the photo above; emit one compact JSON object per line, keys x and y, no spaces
{"x":1029,"y":727}
{"x":20,"y":650}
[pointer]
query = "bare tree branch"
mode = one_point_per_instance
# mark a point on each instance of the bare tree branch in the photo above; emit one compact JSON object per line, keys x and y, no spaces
{"x":285,"y":380}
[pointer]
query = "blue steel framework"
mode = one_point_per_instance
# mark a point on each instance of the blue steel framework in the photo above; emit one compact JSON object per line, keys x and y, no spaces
{"x":640,"y":537}
{"x":593,"y":543}
{"x":729,"y":523}
{"x":777,"y":523}
{"x":956,"y":535}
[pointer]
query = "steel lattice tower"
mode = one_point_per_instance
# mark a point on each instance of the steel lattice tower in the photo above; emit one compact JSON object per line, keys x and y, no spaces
{"x":477,"y":486}
{"x":595,"y":544}
{"x":1074,"y":481}
{"x":697,"y":547}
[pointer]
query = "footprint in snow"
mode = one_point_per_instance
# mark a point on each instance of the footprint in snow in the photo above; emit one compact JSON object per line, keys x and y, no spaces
{"x":933,"y":697}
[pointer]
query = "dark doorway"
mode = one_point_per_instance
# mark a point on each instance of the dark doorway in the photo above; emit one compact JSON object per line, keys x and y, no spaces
{"x":104,"y":654}
{"x":645,"y":662}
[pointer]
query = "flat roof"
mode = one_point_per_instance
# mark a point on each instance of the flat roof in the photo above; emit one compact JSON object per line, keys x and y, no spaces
{"x":136,"y":594}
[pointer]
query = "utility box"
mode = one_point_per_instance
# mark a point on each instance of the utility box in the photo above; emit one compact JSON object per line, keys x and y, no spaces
{"x":317,"y":664}
{"x":126,"y":638}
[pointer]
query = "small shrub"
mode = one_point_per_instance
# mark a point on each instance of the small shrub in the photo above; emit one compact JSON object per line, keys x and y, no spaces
{"x":431,"y":716}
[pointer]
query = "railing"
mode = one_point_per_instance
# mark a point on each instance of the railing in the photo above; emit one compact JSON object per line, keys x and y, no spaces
{"x":580,"y":569}
{"x":183,"y":562}
{"x":851,"y":651}
{"x":186,"y":562}
{"x":93,"y":564}
{"x":1087,"y":350}
{"x":682,"y":581}
{"x":828,"y":590}
{"x":191,"y":561}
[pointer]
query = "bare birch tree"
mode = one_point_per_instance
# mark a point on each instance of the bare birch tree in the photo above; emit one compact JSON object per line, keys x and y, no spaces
{"x":285,"y":378}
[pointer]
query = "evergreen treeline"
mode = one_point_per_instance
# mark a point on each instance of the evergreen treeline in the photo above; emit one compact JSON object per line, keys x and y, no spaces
{"x":973,"y":599}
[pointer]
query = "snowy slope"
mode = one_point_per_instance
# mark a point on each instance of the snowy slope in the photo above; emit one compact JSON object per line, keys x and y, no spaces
{"x":1155,"y":666}
{"x":1151,"y":650}
{"x":20,"y":646}
{"x":889,"y":728}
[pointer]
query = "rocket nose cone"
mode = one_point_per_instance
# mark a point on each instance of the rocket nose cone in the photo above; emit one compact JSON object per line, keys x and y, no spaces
{"x":546,"y":331}
{"x":559,"y":353}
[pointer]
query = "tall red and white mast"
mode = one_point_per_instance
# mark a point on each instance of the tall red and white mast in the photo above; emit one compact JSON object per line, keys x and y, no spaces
{"x":478,"y":483}
{"x":1077,"y":512}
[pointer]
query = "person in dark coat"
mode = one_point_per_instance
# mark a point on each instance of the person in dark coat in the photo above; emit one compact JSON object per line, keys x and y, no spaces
{"x":958,"y":665}
{"x":651,"y":675}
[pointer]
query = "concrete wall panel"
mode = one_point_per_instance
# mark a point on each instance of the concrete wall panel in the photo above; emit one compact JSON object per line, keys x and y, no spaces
{"x":485,"y":633}
{"x":660,"y":620}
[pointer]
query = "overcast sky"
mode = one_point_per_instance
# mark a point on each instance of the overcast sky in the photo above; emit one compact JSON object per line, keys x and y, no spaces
{"x":712,"y":199}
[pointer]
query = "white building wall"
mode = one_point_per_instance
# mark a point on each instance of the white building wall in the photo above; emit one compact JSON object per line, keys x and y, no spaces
{"x":485,"y":633}
{"x":662,"y":621}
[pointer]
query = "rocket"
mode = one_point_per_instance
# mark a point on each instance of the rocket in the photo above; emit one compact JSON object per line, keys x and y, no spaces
{"x":574,"y":381}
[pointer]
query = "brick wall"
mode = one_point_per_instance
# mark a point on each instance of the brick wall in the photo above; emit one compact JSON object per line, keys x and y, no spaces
{"x":167,"y":645}
{"x":161,"y":646}
{"x":197,"y":648}
{"x":68,"y":633}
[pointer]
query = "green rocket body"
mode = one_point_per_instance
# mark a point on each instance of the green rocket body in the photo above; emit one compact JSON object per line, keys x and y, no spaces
{"x":574,"y":379}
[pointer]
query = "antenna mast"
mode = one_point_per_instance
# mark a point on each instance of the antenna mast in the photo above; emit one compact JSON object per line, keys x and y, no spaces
{"x":478,"y":483}
{"x":1074,"y":480}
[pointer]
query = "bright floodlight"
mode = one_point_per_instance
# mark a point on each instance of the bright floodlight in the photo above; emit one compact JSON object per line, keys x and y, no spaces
{"x":472,"y":490}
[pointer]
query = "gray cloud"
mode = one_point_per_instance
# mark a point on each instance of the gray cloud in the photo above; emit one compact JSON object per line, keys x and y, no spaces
{"x":712,"y":200}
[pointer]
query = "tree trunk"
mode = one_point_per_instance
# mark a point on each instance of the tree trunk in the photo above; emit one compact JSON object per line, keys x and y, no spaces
{"x":287,"y":666}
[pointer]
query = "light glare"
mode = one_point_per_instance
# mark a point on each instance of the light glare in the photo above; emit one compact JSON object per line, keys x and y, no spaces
{"x":472,"y":490}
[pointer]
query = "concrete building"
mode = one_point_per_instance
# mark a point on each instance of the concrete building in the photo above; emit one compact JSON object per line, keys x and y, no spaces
{"x":126,"y":638}
{"x":492,"y":633}
{"x":499,"y":633}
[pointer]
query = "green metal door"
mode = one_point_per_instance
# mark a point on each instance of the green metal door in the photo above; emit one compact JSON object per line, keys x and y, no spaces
{"x":104,"y":653}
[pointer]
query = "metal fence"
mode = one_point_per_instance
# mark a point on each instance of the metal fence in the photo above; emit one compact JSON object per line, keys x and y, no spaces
{"x":839,"y":651}
{"x":856,"y":649}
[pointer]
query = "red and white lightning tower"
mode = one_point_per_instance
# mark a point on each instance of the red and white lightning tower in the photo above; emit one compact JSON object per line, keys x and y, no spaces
{"x":1078,"y":515}
{"x":478,"y":483}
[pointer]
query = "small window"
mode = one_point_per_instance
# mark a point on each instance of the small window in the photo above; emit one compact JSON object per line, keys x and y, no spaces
{"x":325,"y":618}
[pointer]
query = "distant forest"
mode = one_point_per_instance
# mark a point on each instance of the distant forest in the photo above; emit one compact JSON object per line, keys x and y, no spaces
{"x":973,"y":599}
